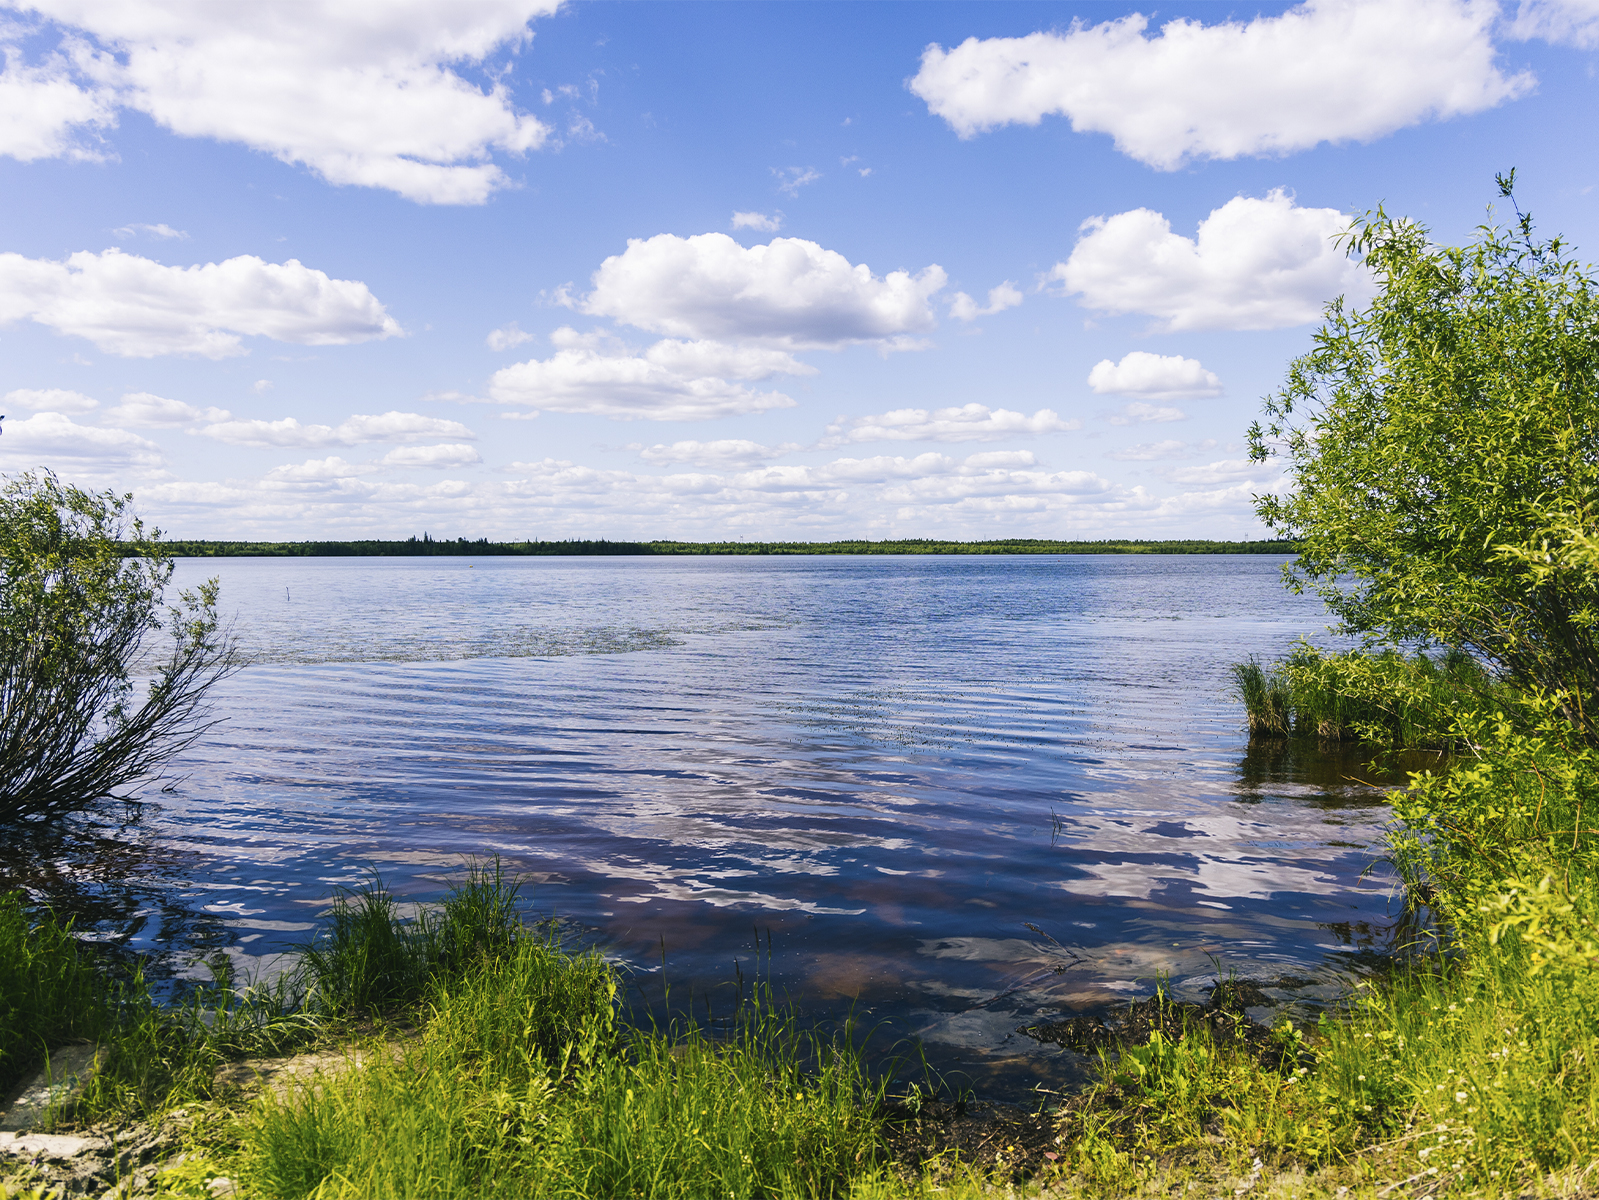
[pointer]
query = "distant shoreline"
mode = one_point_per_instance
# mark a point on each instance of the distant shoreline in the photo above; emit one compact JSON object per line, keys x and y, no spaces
{"x":426,"y":547}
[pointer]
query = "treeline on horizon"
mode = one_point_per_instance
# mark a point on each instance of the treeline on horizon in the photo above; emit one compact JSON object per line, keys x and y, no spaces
{"x":426,"y":546}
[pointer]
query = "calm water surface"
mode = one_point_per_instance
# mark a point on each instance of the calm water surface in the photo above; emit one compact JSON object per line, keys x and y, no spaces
{"x":959,"y":794}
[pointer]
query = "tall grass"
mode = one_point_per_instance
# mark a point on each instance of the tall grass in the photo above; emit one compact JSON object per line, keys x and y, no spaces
{"x":524,"y":1083}
{"x":1387,"y":699}
{"x":52,"y":989}
{"x":368,"y":957}
{"x":1268,"y":698}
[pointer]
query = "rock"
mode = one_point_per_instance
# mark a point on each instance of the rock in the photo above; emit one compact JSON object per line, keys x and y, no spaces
{"x":54,"y":1091}
{"x":48,"y":1147}
{"x":111,"y":1161}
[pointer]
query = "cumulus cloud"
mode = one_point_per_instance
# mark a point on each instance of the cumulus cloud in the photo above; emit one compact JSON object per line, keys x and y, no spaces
{"x":138,"y":308}
{"x":1154,"y":377}
{"x":366,"y":95}
{"x":507,"y":336}
{"x":670,"y":381}
{"x":1230,"y":470}
{"x":790,"y":292}
{"x":145,"y":410}
{"x":320,"y":470}
{"x":722,"y":454}
{"x":985,"y":494}
{"x":47,"y":109}
{"x":53,"y":439}
{"x":50,"y":399}
{"x":758,"y":221}
{"x":1562,"y":22}
{"x":1139,"y":413}
{"x":358,"y":430}
{"x":1255,"y":264}
{"x":963,"y":308}
{"x":457,"y":454}
{"x":1325,"y":71}
{"x":967,"y":423}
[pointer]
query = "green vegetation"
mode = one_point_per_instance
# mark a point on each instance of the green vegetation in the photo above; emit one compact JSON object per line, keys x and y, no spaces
{"x":1386,"y":699}
{"x":523,"y":1084}
{"x":1441,"y":446}
{"x":50,"y":990}
{"x":80,"y":595}
{"x":426,"y":547}
{"x":495,"y":1063}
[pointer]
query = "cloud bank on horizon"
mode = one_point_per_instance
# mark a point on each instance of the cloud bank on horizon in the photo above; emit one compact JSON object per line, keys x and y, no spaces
{"x":484,"y":252}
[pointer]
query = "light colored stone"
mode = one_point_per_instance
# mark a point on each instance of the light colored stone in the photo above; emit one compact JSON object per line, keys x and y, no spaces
{"x":52,"y":1147}
{"x":55,"y":1090}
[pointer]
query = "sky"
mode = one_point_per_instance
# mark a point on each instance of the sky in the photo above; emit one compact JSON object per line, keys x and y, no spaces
{"x":526,"y":269}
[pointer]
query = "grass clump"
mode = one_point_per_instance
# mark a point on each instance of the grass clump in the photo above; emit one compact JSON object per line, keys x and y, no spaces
{"x":524,"y":1082}
{"x":370,"y":957}
{"x":1387,"y":699}
{"x":52,"y":990}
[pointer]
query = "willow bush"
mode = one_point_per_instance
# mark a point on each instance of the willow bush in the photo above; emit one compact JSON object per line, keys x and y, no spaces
{"x":1441,"y":448}
{"x":88,"y":704}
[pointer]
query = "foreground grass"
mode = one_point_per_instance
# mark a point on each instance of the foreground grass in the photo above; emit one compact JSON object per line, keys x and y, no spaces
{"x":524,"y":1084}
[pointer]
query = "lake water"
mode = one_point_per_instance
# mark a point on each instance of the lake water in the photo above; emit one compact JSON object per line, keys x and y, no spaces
{"x":957,"y":793}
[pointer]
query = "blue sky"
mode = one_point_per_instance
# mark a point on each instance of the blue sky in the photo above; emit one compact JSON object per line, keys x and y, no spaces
{"x":729,"y":270}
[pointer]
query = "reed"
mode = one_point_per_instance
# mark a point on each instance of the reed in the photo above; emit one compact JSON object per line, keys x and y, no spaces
{"x":1386,"y":699}
{"x":1267,"y":697}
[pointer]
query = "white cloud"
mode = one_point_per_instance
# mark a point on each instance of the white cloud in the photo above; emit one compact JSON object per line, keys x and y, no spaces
{"x":1325,"y":71}
{"x":320,"y":470}
{"x":963,"y":308}
{"x":47,"y":110}
{"x":360,"y":94}
{"x":968,"y":423}
{"x":758,"y":221}
{"x":163,"y":231}
{"x":1231,"y":470}
{"x":1255,"y":264}
{"x":791,"y":179}
{"x":1139,"y":413}
{"x":507,"y":336}
{"x":355,"y":431}
{"x":1170,"y":448}
{"x":790,"y":292}
{"x":456,"y":454}
{"x":1154,"y":377}
{"x":261,"y":387}
{"x":724,"y":454}
{"x":1562,"y":22}
{"x":670,"y":381}
{"x":988,"y":494}
{"x":145,"y":410}
{"x":50,"y":399}
{"x":52,"y":439}
{"x":139,"y":308}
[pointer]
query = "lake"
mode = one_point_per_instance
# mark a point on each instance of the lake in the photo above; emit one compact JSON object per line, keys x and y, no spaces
{"x":958,"y":794}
